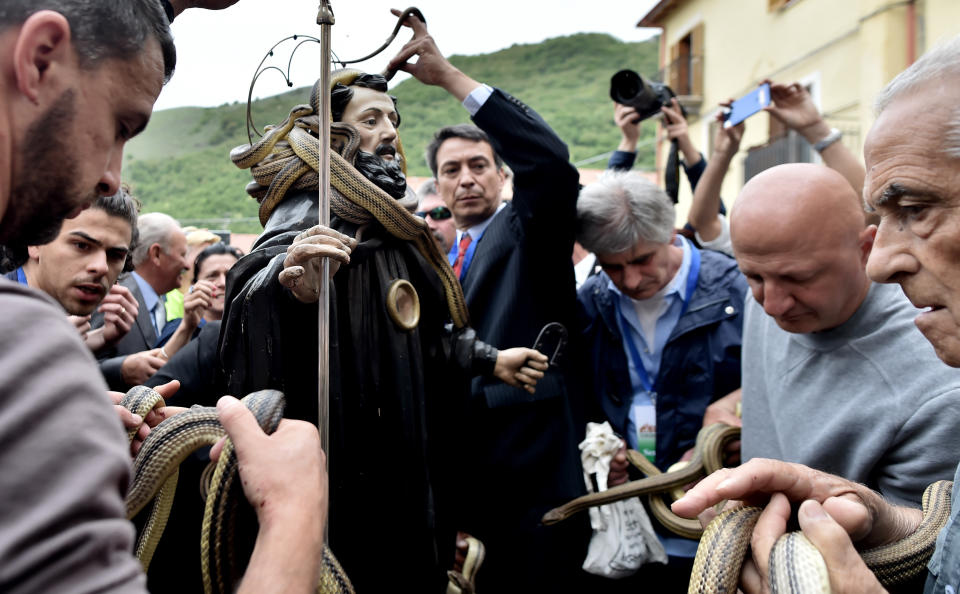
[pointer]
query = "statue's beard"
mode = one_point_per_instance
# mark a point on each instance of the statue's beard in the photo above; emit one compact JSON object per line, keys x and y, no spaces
{"x":387,"y":175}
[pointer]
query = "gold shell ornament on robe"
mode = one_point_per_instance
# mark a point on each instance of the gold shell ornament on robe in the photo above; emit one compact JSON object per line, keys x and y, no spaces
{"x":403,"y":304}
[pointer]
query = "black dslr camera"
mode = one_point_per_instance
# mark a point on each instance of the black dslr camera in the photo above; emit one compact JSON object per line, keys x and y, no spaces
{"x":647,"y":97}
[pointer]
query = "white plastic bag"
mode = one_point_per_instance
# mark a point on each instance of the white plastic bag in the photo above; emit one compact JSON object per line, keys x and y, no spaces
{"x":623,"y":538}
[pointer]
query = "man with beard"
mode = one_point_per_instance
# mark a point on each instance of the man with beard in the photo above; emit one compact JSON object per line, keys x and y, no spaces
{"x":396,"y":379}
{"x":65,"y":457}
{"x":79,"y":268}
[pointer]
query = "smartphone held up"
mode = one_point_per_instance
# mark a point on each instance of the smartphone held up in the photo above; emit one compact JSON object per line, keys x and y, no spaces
{"x":746,"y":106}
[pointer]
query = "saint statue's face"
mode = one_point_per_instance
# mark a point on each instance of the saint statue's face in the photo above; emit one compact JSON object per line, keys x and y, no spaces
{"x":375,"y":117}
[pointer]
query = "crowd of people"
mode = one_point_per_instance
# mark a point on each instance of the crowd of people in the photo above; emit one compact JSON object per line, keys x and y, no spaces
{"x":827,"y":331}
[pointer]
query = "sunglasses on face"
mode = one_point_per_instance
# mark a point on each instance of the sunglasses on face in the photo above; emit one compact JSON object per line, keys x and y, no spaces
{"x":437,"y":214}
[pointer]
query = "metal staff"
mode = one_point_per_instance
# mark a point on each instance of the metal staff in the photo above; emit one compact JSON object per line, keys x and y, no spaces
{"x":325,"y":19}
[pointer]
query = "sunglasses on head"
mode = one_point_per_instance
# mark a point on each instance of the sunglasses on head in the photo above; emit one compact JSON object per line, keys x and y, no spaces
{"x":437,"y":214}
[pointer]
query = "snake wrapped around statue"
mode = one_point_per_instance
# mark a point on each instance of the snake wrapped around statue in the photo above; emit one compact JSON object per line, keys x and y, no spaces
{"x":288,"y":157}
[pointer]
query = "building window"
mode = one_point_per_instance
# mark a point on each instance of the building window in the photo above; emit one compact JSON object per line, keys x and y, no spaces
{"x":686,"y":63}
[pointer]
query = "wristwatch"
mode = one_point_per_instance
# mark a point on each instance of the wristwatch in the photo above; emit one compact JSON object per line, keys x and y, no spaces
{"x":827,"y":140}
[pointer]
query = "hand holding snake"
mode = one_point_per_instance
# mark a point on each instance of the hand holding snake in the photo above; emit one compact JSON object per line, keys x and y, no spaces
{"x":431,"y":68}
{"x":284,"y":478}
{"x":847,"y":570}
{"x":834,"y":508}
{"x":153,"y":418}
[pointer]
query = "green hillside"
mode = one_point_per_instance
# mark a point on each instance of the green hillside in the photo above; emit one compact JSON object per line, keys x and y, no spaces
{"x":180,"y":164}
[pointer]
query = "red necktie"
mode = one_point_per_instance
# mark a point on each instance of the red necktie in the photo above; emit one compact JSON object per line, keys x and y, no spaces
{"x":461,"y":252}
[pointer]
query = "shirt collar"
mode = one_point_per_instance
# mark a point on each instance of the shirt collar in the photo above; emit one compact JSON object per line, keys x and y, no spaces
{"x":478,"y":229}
{"x":150,"y":296}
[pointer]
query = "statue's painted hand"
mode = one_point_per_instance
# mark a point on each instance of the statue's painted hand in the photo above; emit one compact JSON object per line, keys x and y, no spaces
{"x":521,"y":367}
{"x":304,"y":262}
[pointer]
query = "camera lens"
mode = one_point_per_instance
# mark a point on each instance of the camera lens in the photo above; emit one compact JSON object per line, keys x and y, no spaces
{"x":625,"y":85}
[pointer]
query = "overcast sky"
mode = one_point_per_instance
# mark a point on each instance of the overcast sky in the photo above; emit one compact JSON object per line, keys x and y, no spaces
{"x":218,"y":51}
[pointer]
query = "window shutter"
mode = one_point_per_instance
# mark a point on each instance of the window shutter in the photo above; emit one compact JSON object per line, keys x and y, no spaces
{"x":674,"y":82}
{"x":696,"y":60}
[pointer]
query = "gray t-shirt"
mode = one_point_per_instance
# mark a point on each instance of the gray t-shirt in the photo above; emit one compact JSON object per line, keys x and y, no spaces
{"x":868,"y":400}
{"x":64,"y":458}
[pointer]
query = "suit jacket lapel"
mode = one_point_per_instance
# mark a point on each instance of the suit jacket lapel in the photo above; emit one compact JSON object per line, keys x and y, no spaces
{"x":491,"y":247}
{"x":144,"y":325}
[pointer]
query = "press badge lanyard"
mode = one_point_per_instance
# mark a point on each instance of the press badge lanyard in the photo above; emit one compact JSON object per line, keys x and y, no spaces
{"x":692,"y":276}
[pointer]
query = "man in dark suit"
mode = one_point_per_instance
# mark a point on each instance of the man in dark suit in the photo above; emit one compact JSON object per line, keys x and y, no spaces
{"x":520,"y":455}
{"x":158,"y":260}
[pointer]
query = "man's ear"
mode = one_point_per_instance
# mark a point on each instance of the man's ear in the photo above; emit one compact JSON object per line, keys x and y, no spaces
{"x":43,"y":43}
{"x":154,"y":252}
{"x":867,"y":236}
{"x":34,"y":252}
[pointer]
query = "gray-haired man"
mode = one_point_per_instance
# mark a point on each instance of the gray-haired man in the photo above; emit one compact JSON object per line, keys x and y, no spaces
{"x":662,"y":323}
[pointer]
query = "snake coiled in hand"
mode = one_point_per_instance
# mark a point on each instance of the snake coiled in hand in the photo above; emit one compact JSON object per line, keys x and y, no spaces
{"x":155,"y":474}
{"x":795,"y":564}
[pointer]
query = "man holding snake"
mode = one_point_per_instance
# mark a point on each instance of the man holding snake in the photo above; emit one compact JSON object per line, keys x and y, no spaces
{"x":913,"y":182}
{"x":79,"y":78}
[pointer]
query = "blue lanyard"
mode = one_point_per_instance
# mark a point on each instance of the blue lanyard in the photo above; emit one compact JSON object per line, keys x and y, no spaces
{"x":692,"y":276}
{"x":21,"y":276}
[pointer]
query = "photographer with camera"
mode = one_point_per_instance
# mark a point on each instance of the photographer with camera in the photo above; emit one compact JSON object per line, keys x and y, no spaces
{"x":675,"y":126}
{"x":635,"y":100}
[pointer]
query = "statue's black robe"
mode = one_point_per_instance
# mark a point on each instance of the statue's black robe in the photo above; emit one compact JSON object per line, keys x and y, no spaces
{"x":395,"y":396}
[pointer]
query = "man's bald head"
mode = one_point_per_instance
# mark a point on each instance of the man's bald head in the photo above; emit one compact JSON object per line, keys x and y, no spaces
{"x":796,"y":202}
{"x":799,"y":236}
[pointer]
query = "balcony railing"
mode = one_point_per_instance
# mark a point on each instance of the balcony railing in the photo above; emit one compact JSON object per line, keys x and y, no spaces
{"x":792,"y":148}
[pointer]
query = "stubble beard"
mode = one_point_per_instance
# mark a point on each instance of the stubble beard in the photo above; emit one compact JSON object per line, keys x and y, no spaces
{"x":43,"y":193}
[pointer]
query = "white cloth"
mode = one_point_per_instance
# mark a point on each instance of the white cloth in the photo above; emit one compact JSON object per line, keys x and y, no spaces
{"x":623,"y":537}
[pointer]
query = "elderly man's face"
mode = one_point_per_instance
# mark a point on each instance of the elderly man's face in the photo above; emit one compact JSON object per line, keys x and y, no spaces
{"x":915,"y":187}
{"x":640,"y":272}
{"x":172,"y":261}
{"x":82,"y":263}
{"x":374,"y":116}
